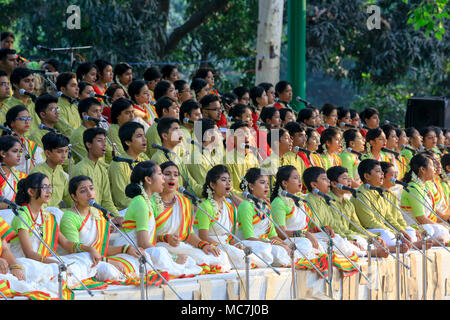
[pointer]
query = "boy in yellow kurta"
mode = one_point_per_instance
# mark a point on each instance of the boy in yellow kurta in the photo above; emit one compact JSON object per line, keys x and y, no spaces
{"x":170,"y":134}
{"x":94,"y":140}
{"x":92,"y":108}
{"x":134,"y":143}
{"x":67,"y":84}
{"x":165,"y":107}
{"x":56,"y":149}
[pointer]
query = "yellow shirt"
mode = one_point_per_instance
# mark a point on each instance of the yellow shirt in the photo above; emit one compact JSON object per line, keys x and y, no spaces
{"x":238,"y":164}
{"x":68,"y":115}
{"x":119,"y":177}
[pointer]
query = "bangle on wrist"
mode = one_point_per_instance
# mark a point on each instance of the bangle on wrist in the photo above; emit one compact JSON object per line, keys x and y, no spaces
{"x":125,"y":248}
{"x":202,"y":244}
{"x":15,"y":266}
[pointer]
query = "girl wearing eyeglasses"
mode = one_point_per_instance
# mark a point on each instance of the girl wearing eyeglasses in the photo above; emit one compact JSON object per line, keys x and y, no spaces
{"x":18,"y":119}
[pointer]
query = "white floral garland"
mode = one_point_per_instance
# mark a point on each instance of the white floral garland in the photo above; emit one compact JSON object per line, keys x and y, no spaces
{"x":145,"y":195}
{"x":214,"y":203}
{"x":159,"y":202}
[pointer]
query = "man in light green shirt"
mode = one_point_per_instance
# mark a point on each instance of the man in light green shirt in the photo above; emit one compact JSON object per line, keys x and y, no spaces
{"x":46,"y":108}
{"x":94,"y":140}
{"x":205,"y":154}
{"x":22,"y":78}
{"x":170,"y":134}
{"x":352,"y":231}
{"x":122,"y":111}
{"x":133,"y":140}
{"x":165,"y":107}
{"x":67,"y":84}
{"x":190,"y":116}
{"x":5,"y":93}
{"x":240,"y":159}
{"x":56,"y":149}
{"x":280,"y":143}
{"x":89,"y":107}
{"x":376,"y":210}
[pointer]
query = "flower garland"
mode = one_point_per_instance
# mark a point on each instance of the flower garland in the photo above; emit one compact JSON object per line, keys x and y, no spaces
{"x":145,"y":195}
{"x":159,"y":202}
{"x":214,"y":203}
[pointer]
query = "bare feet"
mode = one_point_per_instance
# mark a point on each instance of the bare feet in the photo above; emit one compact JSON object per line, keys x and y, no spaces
{"x":380,"y":253}
{"x":181,"y":259}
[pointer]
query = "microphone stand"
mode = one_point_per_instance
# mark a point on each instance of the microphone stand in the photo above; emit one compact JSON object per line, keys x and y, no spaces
{"x":396,"y":258}
{"x":142,"y":260}
{"x":3,"y":296}
{"x":329,"y":252}
{"x":335,"y":209}
{"x":412,"y":244}
{"x":61,"y":266}
{"x":359,"y":270}
{"x":247,"y":252}
{"x":293,"y":248}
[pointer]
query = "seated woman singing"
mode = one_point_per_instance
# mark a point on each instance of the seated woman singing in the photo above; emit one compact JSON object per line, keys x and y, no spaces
{"x":83,"y":224}
{"x":140,"y":224}
{"x":255,"y":228}
{"x":174,"y":215}
{"x":220,"y":207}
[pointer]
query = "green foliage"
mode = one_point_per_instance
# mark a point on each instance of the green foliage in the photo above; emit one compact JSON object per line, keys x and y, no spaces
{"x":431,"y":16}
{"x":228,"y":34}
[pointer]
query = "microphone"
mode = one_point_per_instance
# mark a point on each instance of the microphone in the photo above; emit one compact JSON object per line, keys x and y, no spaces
{"x":299,"y":99}
{"x":284,"y":193}
{"x":395,"y":153}
{"x":342,"y":187}
{"x":249,"y":196}
{"x":43,"y":48}
{"x":298,"y":149}
{"x":359,"y":154}
{"x":96,"y":95}
{"x":441,"y":146}
{"x":186,"y":120}
{"x":404,"y":184}
{"x":26,"y":93}
{"x":193,"y":142}
{"x":188,"y":194}
{"x":44,"y":127}
{"x":320,"y":193}
{"x":10,"y":203}
{"x":87,"y":118}
{"x":94,"y":204}
{"x":247,"y":146}
{"x":62,"y":95}
{"x":157,"y":146}
{"x":6,"y":129}
{"x":120,"y":159}
{"x":343,"y":124}
{"x":370,"y":187}
{"x":363,"y":126}
{"x":404,"y":146}
{"x":260,"y":123}
{"x":326,"y":126}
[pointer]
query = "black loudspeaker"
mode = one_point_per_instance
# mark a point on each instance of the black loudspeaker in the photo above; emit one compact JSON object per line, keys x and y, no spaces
{"x":427,"y":111}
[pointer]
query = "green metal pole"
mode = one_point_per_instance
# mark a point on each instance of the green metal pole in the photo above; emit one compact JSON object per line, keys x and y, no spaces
{"x":297,"y":50}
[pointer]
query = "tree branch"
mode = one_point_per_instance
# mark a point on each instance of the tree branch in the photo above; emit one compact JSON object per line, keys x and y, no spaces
{"x":194,"y":21}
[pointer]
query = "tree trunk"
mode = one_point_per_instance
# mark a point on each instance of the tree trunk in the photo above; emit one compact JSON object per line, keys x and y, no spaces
{"x":268,"y":45}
